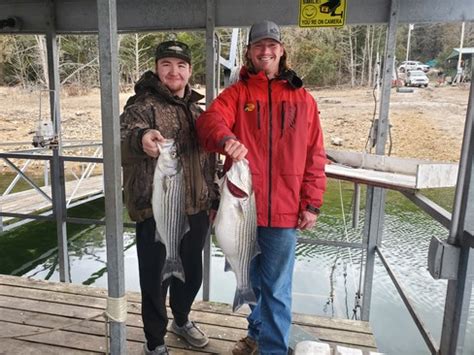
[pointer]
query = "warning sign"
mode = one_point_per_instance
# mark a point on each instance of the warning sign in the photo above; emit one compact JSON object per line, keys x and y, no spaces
{"x":322,"y":13}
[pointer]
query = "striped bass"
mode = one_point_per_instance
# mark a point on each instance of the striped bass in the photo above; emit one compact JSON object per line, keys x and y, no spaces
{"x":236,"y":228}
{"x":169,"y":207}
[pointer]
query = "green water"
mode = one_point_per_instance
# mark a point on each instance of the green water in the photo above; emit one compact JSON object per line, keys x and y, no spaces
{"x":325,"y":278}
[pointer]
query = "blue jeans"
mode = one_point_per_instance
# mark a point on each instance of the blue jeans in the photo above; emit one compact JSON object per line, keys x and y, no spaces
{"x":271,"y":274}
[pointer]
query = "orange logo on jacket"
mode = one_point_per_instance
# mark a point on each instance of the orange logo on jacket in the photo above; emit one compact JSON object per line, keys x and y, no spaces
{"x":249,"y":107}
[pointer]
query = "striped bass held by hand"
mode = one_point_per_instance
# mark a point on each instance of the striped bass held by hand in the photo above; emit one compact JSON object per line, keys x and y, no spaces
{"x":236,"y":228}
{"x":168,"y":203}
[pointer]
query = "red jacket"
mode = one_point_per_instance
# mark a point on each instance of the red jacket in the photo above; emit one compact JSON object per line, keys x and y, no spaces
{"x":280,"y":126}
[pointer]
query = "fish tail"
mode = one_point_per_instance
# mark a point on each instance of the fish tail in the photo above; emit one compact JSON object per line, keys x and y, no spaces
{"x":242,"y":296}
{"x":173,"y":268}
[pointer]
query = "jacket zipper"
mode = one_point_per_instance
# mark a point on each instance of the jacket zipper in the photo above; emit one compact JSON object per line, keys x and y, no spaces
{"x":282,"y":118}
{"x":189,"y":117}
{"x":270,"y":153}
{"x":258,"y":114}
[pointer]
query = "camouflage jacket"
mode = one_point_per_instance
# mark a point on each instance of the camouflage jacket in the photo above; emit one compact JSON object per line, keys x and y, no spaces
{"x":154,"y":107}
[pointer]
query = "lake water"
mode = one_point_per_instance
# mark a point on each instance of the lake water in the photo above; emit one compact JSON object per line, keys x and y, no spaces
{"x":325,"y":281}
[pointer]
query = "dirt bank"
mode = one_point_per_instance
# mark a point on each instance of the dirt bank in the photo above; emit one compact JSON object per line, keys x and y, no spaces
{"x":427,"y":123}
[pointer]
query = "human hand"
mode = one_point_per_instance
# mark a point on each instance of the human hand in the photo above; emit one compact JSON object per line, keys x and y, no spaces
{"x":150,"y":141}
{"x":234,"y":149}
{"x":307,"y":220}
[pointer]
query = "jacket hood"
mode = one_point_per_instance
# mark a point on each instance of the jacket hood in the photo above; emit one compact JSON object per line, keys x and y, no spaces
{"x":150,"y":82}
{"x":288,"y":75}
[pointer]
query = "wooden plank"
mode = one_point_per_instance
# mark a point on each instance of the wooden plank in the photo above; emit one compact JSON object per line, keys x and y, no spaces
{"x":39,"y":303}
{"x":216,"y":325}
{"x":371,"y":177}
{"x":436,"y":175}
{"x":342,"y":337}
{"x":198,"y":306}
{"x":135,"y":332}
{"x":30,"y":201}
{"x":376,"y":162}
{"x":391,"y":172}
{"x":22,"y":347}
{"x":221,"y":340}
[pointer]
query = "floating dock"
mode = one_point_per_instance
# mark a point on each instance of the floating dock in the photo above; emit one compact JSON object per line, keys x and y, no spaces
{"x":55,"y":318}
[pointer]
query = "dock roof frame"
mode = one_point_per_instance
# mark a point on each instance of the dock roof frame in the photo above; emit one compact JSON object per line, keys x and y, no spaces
{"x":108,"y":17}
{"x":80,"y":16}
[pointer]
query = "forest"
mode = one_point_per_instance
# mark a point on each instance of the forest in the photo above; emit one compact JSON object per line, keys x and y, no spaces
{"x":322,"y":56}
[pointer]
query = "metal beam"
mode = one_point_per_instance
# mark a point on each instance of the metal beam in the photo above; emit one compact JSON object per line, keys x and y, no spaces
{"x":431,"y":208}
{"x":109,"y":95}
{"x":53,"y":72}
{"x":210,"y":95}
{"x":58,"y":191}
{"x":427,"y":337}
{"x":375,"y":200}
{"x":334,"y":243}
{"x":76,"y":16}
{"x":458,"y":295}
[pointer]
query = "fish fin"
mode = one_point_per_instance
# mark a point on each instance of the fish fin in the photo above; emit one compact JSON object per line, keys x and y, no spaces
{"x":227,"y":266}
{"x":173,"y":268}
{"x":165,"y":183}
{"x":243,"y":296}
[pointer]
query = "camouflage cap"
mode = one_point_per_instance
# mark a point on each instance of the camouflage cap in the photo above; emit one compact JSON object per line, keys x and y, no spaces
{"x":173,"y":49}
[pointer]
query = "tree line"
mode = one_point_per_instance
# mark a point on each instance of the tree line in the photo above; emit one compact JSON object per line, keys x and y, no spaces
{"x":322,"y":56}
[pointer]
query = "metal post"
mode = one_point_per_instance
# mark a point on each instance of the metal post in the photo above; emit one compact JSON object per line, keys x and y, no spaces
{"x":58,"y":190}
{"x":46,"y":174}
{"x":459,"y":69}
{"x":458,"y":294}
{"x":109,"y":86}
{"x":356,"y":206}
{"x":53,"y":73}
{"x":410,"y":28}
{"x":210,"y":94}
{"x":375,"y":200}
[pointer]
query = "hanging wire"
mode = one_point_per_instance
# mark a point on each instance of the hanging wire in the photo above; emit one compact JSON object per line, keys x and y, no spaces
{"x":358,"y":294}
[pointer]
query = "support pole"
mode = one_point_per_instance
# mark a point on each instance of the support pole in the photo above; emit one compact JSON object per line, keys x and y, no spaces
{"x":459,"y":69}
{"x":58,"y":190}
{"x":109,"y":86}
{"x":375,"y":203}
{"x":458,"y":294}
{"x":410,"y":28}
{"x":356,"y":206}
{"x":57,"y":170}
{"x":53,"y":74}
{"x":210,"y":95}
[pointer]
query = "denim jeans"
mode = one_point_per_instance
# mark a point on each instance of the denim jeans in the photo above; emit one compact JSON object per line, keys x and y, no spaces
{"x":271,"y":274}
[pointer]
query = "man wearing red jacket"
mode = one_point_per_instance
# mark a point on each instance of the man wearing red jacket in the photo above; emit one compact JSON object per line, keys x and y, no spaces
{"x":269,"y":119}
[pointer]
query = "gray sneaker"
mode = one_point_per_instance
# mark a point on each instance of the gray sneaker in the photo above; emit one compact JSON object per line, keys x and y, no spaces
{"x":191,"y":333}
{"x":159,"y":350}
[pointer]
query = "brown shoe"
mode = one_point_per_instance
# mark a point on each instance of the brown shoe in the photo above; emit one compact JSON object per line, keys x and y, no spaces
{"x":245,"y":346}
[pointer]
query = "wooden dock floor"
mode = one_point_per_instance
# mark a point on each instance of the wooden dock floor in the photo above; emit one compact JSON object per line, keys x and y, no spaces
{"x":31,"y":201}
{"x":28,"y":306}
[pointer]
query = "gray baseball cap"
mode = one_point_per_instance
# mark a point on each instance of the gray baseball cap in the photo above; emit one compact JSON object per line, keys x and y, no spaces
{"x":263,"y":30}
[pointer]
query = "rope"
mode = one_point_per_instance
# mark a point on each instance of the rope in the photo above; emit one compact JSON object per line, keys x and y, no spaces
{"x":116,"y":309}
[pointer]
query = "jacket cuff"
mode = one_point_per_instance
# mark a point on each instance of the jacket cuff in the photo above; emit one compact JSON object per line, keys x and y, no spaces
{"x":313,"y":209}
{"x":141,"y":132}
{"x":225,"y":139}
